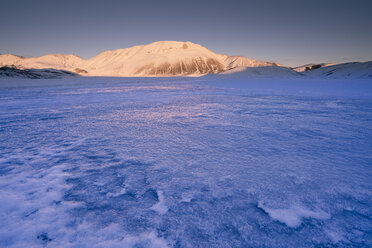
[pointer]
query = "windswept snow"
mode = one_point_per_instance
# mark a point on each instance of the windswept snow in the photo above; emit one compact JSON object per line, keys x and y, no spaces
{"x":293,"y":216}
{"x":160,"y":207}
{"x":185,"y":162}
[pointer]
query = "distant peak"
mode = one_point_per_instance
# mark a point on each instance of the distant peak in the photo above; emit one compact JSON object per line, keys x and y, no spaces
{"x":160,"y":58}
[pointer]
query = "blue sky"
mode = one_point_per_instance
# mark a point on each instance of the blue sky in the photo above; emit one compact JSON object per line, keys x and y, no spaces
{"x":287,"y":32}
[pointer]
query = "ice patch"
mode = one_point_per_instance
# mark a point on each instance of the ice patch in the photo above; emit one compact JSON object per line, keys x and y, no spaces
{"x":160,"y":206}
{"x":120,"y":191}
{"x":144,"y":240}
{"x":293,"y":216}
{"x":187,"y":197}
{"x":334,"y":236}
{"x":115,"y":194}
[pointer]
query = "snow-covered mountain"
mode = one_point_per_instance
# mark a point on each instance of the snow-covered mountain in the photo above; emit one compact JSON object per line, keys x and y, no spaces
{"x":175,"y":58}
{"x":231,"y":62}
{"x":163,"y":58}
{"x":71,"y":63}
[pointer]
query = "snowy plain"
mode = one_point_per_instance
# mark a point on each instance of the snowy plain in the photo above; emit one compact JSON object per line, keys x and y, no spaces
{"x":185,"y":162}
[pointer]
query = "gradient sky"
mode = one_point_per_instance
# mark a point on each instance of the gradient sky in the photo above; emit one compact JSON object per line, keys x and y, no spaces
{"x":288,"y":32}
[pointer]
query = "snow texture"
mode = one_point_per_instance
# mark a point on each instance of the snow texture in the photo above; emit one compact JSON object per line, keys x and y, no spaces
{"x":185,"y":162}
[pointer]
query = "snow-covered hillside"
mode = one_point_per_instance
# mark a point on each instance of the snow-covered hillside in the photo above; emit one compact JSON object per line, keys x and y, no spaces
{"x":313,"y":66}
{"x":163,"y":58}
{"x":261,"y":72}
{"x":9,"y":59}
{"x":34,"y":73}
{"x":231,"y":62}
{"x":50,"y":61}
{"x":346,"y":70}
{"x":355,"y":70}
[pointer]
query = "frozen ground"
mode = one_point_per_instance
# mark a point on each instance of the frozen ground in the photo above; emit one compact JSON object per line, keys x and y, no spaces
{"x":200,"y":162}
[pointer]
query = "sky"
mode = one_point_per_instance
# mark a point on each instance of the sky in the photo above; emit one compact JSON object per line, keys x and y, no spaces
{"x":288,"y":32}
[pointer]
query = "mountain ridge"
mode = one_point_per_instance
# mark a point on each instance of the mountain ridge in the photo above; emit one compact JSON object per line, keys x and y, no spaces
{"x":162,"y":58}
{"x":175,"y":58}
